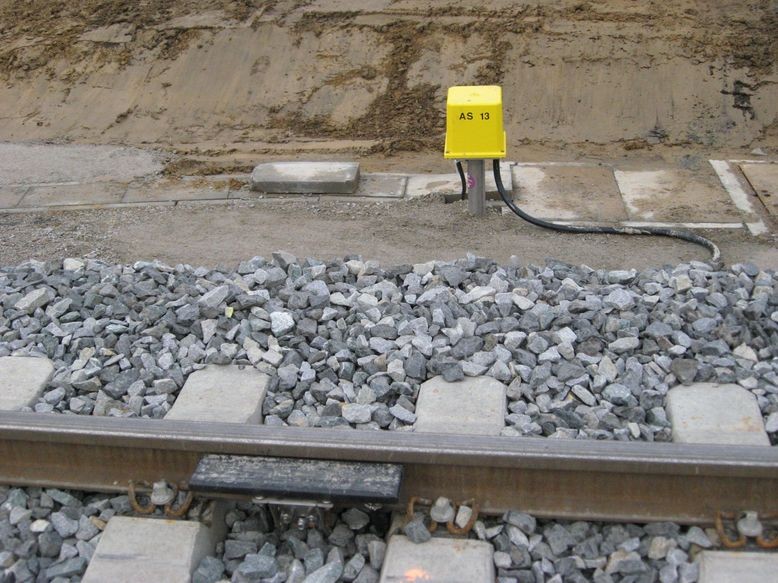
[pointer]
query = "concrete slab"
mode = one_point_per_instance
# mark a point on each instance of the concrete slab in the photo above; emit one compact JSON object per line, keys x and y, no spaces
{"x":764,"y":180}
{"x":174,"y":191}
{"x":138,"y":550}
{"x":83,"y":207}
{"x":202,"y":203}
{"x":587,"y":193}
{"x":675,"y":196}
{"x":10,"y":196}
{"x":439,"y":560}
{"x":230,"y":394}
{"x":436,"y":184}
{"x":74,"y":194}
{"x":732,"y":182}
{"x":382,"y":185}
{"x":711,"y":413}
{"x":22,"y":380}
{"x":243,"y":194}
{"x":306,"y":177}
{"x":35,"y":164}
{"x":424,"y":184}
{"x":506,"y":175}
{"x":735,"y":567}
{"x":472,"y":406}
{"x":639,"y":224}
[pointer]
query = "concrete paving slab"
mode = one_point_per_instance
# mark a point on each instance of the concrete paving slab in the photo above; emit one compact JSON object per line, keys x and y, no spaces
{"x":472,"y":406}
{"x":22,"y":380}
{"x":138,"y":550}
{"x":711,"y":413}
{"x":35,"y":164}
{"x":382,"y":185}
{"x":174,"y":191}
{"x":424,"y":184}
{"x":202,"y":203}
{"x":306,"y":177}
{"x":73,"y":194}
{"x":439,"y":560}
{"x":82,"y":207}
{"x":243,"y":194}
{"x":588,"y":193}
{"x":230,"y":394}
{"x":10,"y":196}
{"x":764,"y":180}
{"x":675,"y":196}
{"x":735,"y":567}
{"x":638,"y":224}
{"x":437,"y":184}
{"x":506,"y":175}
{"x":741,"y":197}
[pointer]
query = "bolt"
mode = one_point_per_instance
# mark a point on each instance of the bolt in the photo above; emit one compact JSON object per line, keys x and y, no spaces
{"x":749,"y":525}
{"x":312,"y":521}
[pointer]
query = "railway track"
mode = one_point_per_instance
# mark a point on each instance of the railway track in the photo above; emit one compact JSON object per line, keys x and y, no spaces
{"x":575,"y":479}
{"x":337,"y":441}
{"x":267,"y":471}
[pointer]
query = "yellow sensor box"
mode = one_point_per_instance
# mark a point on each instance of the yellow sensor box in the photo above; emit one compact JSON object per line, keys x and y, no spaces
{"x":474,"y":122}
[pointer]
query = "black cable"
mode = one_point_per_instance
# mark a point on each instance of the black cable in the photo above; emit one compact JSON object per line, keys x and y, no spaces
{"x":660,"y":231}
{"x":463,"y":194}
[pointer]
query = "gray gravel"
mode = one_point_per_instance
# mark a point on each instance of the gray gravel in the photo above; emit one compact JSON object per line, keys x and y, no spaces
{"x":586,"y":354}
{"x":350,"y":549}
{"x":527,"y":551}
{"x":50,"y":535}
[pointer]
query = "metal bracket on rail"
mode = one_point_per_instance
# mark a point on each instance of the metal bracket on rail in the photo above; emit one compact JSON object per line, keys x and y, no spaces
{"x":450,"y":525}
{"x":302,"y":514}
{"x":748,"y":525}
{"x":298,"y":491}
{"x":135,"y":504}
{"x":161,"y":495}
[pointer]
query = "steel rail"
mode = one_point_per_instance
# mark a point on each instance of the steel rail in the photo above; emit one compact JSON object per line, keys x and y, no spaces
{"x":562,"y":478}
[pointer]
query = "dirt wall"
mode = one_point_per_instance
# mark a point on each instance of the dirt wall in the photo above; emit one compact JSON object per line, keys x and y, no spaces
{"x":191,"y":71}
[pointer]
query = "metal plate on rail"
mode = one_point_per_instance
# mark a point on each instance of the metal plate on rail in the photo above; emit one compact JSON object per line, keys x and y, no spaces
{"x":299,"y":479}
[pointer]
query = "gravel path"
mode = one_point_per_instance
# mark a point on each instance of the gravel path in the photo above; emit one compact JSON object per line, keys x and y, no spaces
{"x":587,"y":354}
{"x":50,"y":535}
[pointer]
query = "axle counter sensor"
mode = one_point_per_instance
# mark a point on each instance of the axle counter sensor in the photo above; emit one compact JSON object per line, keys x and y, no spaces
{"x":474,"y":132}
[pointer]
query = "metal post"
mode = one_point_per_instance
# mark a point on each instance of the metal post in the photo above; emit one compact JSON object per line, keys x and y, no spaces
{"x":476,"y":192}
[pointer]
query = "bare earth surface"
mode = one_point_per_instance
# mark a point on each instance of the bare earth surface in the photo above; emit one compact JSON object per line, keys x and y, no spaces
{"x":222,"y":85}
{"x":209,"y":77}
{"x":393,"y":233}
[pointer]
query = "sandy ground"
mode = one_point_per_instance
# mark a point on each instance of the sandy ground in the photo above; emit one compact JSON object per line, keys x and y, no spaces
{"x":393,"y":233}
{"x":223,"y":85}
{"x":51,"y":164}
{"x":210,"y":77}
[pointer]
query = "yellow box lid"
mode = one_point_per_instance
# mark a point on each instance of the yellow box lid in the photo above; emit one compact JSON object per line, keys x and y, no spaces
{"x":475,"y":95}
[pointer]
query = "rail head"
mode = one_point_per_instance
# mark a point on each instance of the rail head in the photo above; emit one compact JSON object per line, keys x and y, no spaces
{"x":395,"y":447}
